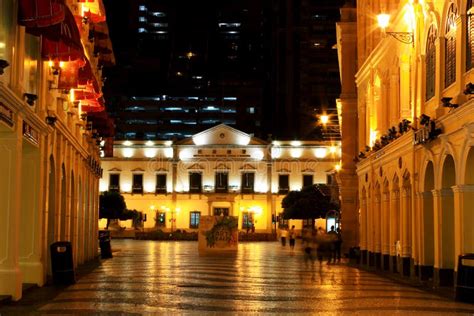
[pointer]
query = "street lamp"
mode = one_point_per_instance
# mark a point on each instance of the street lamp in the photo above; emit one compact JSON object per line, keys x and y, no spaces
{"x":324,"y":119}
{"x":383,"y":20}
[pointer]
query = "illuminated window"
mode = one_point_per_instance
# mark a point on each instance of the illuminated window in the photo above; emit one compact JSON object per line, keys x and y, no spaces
{"x":7,"y":31}
{"x":251,"y":110}
{"x":141,"y":8}
{"x":137,"y":186}
{"x":159,"y":14}
{"x":307,"y":180}
{"x":194,"y":218}
{"x":30,"y":64}
{"x":283,"y":184}
{"x":431,"y":63}
{"x":114,"y":182}
{"x":195,"y":182}
{"x":141,"y":19}
{"x":247,"y":185}
{"x":470,"y":36}
{"x":222,"y":183}
{"x":160,"y":183}
{"x":141,"y":30}
{"x":450,"y":46}
{"x":230,"y":99}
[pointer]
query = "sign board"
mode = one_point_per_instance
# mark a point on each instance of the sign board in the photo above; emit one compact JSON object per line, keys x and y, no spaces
{"x":218,"y":234}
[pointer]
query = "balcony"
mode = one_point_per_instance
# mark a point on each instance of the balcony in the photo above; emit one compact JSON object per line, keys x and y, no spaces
{"x":137,"y":189}
{"x":114,"y":188}
{"x":160,"y":190}
{"x":283,"y":190}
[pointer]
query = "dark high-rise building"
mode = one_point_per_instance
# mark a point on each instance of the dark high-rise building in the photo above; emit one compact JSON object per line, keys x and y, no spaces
{"x":261,"y":66}
{"x":184,"y":66}
{"x":304,"y":71}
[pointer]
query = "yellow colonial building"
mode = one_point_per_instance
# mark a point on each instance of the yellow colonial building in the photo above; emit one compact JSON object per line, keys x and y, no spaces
{"x":49,"y":160}
{"x":220,"y":171}
{"x":412,"y":62}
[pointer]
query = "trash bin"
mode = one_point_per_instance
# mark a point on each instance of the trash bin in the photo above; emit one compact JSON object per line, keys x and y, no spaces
{"x":354,"y":255}
{"x":62,"y":264}
{"x":465,"y":278}
{"x":104,"y":244}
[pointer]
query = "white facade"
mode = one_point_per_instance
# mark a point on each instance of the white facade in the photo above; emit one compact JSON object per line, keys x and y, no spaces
{"x":221,"y":151}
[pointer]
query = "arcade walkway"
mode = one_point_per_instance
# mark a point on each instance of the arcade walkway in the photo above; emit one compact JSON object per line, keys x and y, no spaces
{"x":169,"y":277}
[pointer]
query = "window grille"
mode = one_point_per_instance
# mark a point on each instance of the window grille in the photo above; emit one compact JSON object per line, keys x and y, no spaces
{"x":470,"y":36}
{"x":450,"y":46}
{"x":431,"y":63}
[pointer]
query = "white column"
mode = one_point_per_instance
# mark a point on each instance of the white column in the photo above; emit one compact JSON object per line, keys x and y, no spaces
{"x":10,"y":207}
{"x":386,"y":223}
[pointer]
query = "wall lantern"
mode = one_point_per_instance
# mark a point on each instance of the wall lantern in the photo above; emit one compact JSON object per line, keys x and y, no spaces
{"x":383,"y":20}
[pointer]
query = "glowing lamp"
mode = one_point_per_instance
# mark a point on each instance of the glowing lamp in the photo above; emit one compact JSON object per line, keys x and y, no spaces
{"x":324,"y":119}
{"x":383,"y":20}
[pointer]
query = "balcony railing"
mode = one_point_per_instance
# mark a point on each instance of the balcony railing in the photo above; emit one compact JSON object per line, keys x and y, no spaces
{"x":114,"y":188}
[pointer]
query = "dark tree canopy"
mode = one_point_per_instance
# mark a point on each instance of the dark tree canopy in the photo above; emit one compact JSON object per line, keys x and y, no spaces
{"x":111,"y":205}
{"x":311,"y":202}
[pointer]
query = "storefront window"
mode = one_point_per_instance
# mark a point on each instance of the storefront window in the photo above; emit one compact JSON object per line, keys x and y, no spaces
{"x":31,"y":64}
{"x":6,"y":35}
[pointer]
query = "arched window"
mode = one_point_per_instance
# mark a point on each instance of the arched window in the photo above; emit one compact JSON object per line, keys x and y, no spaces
{"x":470,"y":36}
{"x":431,"y":63}
{"x":450,"y":46}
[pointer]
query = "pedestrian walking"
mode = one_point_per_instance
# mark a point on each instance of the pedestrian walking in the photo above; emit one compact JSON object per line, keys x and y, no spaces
{"x":283,"y":235}
{"x":338,"y":244}
{"x":292,"y":234}
{"x":332,"y":239}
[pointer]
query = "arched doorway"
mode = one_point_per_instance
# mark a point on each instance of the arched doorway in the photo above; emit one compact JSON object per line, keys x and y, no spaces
{"x":406,"y":224}
{"x":377,"y":226}
{"x":427,"y":256}
{"x":72,"y":217}
{"x":447,"y":253}
{"x":363,"y":226}
{"x":86,"y":220}
{"x":386,"y":225}
{"x":395,"y":214}
{"x":51,"y":211}
{"x":63,"y":208}
{"x":80,"y":222}
{"x":468,"y":201}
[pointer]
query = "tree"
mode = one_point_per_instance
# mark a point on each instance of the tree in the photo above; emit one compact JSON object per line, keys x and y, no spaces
{"x":111,"y":206}
{"x":309,"y":203}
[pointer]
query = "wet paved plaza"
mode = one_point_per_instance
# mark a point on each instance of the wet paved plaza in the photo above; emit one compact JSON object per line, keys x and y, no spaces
{"x":150,"y":277}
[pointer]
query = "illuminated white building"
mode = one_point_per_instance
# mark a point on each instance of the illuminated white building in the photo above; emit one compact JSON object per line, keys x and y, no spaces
{"x":218,"y":171}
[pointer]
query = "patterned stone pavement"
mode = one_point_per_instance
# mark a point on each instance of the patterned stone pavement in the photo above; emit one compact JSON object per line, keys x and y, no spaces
{"x":150,"y":277}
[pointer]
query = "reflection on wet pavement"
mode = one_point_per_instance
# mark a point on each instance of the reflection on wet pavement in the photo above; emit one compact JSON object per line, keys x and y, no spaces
{"x":170,"y":277}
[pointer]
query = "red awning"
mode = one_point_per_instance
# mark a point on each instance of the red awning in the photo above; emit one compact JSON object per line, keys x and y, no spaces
{"x":86,"y":76}
{"x":62,"y":41}
{"x":91,"y":106}
{"x":40,"y":13}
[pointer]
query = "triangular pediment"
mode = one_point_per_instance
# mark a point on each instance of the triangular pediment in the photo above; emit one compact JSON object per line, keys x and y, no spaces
{"x":307,"y":170}
{"x":222,"y":166}
{"x":247,"y":167}
{"x":222,"y":135}
{"x":283,"y":170}
{"x":138,"y":170}
{"x":115,"y":170}
{"x":162,"y":170}
{"x":196,"y":166}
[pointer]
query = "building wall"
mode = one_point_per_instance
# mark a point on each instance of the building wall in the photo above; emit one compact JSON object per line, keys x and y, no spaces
{"x":415,"y":191}
{"x":49,"y":187}
{"x":219,"y":149}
